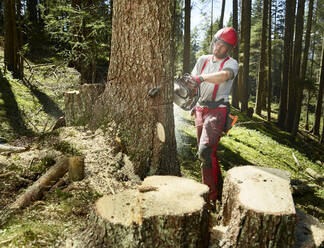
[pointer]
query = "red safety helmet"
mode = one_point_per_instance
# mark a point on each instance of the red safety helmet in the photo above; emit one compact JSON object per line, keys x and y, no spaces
{"x":227,"y":35}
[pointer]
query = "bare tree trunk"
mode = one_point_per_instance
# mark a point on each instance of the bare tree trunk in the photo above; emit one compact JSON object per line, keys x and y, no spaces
{"x":186,"y":40}
{"x":245,"y":42}
{"x":141,"y":61}
{"x":235,"y":94}
{"x":296,"y":84}
{"x":221,"y":20}
{"x":262,"y":65}
{"x":303,"y":69}
{"x":288,"y":40}
{"x":269,"y":64}
{"x":12,"y":57}
{"x":318,"y":111}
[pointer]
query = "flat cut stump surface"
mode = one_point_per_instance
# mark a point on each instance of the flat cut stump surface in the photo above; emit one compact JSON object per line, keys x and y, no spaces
{"x":165,"y":211}
{"x":258,"y":209}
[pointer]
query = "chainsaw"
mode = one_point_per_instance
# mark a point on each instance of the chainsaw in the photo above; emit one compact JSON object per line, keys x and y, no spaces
{"x":186,"y":92}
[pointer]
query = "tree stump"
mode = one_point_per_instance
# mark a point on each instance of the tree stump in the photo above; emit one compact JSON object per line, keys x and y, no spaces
{"x":258,"y":208}
{"x":166,"y":211}
{"x":79,"y":103}
{"x":76,"y":168}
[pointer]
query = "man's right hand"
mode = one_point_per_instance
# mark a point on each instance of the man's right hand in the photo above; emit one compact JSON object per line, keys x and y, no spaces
{"x":197,"y":79}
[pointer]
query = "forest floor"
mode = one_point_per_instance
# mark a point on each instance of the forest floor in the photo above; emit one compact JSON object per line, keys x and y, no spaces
{"x":29,"y":110}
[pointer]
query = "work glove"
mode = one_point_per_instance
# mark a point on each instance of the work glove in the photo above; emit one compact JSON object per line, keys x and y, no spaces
{"x":197,"y":79}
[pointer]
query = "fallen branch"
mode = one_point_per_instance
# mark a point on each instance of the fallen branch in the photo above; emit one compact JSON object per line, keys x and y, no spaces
{"x":35,"y":191}
{"x":11,"y":149}
{"x":7,"y":174}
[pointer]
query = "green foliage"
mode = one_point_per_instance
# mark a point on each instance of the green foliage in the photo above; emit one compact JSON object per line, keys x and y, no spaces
{"x":82,"y":33}
{"x":43,"y":165}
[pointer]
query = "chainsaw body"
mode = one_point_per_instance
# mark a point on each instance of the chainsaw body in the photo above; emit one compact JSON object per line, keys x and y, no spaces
{"x":186,"y":92}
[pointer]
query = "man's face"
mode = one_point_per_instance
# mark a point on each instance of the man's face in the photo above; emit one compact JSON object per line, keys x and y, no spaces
{"x":220,"y":49}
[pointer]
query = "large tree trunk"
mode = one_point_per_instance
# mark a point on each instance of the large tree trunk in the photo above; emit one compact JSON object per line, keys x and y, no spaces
{"x":299,"y":98}
{"x":258,"y":208}
{"x":165,"y":211}
{"x":186,"y":38}
{"x":262,"y":80}
{"x":245,"y":44}
{"x":139,"y":92}
{"x":12,"y":58}
{"x":295,"y":84}
{"x":287,"y":58}
{"x":318,"y":110}
{"x":269,"y":96}
{"x":235,"y":93}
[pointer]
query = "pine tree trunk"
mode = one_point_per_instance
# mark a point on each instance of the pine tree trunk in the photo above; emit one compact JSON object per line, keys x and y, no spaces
{"x":235,"y":93}
{"x":165,"y":211}
{"x":269,"y":97}
{"x":186,"y":38}
{"x":262,"y":65}
{"x":245,"y":44}
{"x":258,"y":208}
{"x":11,"y":56}
{"x":295,"y":84}
{"x":303,"y":69}
{"x":221,"y":20}
{"x":141,"y":63}
{"x":288,"y":40}
{"x":318,"y":111}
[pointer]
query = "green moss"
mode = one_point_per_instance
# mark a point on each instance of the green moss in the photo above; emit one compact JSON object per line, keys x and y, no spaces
{"x":66,"y":148}
{"x":43,"y":165}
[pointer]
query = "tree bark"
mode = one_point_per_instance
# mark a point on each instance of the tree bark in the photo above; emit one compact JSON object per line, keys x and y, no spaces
{"x":11,"y":52}
{"x":165,"y":211}
{"x":186,"y":38}
{"x":76,"y":168}
{"x":258,"y":208}
{"x":141,"y":61}
{"x":295,"y":84}
{"x":269,"y":97}
{"x":245,"y":43}
{"x":79,"y":104}
{"x":221,"y":20}
{"x":318,"y":110}
{"x":287,"y":58}
{"x":262,"y":64}
{"x":303,"y":69}
{"x":235,"y":93}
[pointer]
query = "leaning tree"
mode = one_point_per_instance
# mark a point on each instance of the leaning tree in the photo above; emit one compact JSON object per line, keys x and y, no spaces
{"x":139,"y":90}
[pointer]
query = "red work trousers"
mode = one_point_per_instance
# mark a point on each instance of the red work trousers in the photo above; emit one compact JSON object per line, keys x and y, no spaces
{"x":209,"y":125}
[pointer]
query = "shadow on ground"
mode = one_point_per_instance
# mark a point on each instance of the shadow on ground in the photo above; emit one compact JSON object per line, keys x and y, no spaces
{"x":305,"y":145}
{"x":49,"y":106}
{"x":9,"y":110}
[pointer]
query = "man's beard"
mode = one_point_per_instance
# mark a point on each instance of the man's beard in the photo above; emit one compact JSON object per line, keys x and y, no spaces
{"x":220,"y":56}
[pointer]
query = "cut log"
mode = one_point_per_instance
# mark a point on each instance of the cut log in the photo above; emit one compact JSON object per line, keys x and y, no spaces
{"x":35,"y":191}
{"x":79,"y":104}
{"x":258,"y":208}
{"x":76,"y":168}
{"x":166,"y":211}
